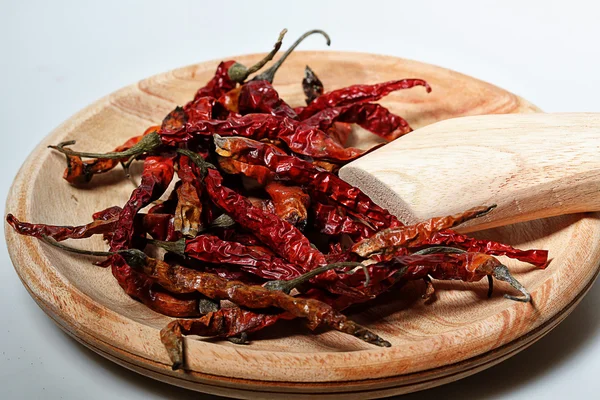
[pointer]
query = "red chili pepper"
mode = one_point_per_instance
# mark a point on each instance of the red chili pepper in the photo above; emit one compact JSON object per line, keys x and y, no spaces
{"x":220,"y":84}
{"x":358,"y":94}
{"x":279,"y":235}
{"x":261,"y":97}
{"x":387,"y":242}
{"x":331,"y":220}
{"x":158,"y":172}
{"x":300,"y":139}
{"x":312,"y":178}
{"x":261,"y":174}
{"x":451,"y":238}
{"x":370,"y":116}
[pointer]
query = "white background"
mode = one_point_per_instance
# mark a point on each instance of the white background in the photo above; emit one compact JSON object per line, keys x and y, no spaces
{"x":58,"y":56}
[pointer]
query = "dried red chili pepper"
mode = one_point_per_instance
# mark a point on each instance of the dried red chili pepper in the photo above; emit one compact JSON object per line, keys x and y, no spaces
{"x":279,"y":235}
{"x":370,"y":116}
{"x":312,"y":178}
{"x":301,"y":139}
{"x":261,"y":97}
{"x":60,"y":233}
{"x":220,"y":83}
{"x":451,"y":238}
{"x":261,"y":174}
{"x":81,"y":172}
{"x":311,"y":85}
{"x":156,"y":176}
{"x":184,"y":280}
{"x":331,"y":220}
{"x":211,"y":249}
{"x":188,"y":211}
{"x":290,"y":203}
{"x":385,"y":243}
{"x":358,"y":94}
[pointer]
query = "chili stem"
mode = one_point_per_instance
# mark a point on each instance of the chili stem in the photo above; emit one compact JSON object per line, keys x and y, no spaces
{"x":287,"y":286}
{"x":269,"y":74}
{"x":148,"y":143}
{"x":238,"y":72}
{"x":198,"y":160}
{"x":502,"y":274}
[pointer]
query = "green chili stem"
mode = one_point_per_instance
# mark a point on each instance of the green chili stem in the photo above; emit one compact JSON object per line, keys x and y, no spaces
{"x":502,"y":274}
{"x":238,"y":72}
{"x":148,"y":143}
{"x":134,"y":257}
{"x":198,"y":160}
{"x":287,"y":286}
{"x":269,"y":74}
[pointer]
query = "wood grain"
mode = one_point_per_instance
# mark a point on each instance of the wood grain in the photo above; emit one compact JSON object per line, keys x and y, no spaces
{"x":459,"y":334}
{"x":531,"y":165}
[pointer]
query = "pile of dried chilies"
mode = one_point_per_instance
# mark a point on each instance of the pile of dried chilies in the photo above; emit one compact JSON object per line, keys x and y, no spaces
{"x":259,"y":217}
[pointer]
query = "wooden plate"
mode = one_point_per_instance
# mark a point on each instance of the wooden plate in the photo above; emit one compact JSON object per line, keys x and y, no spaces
{"x":457,"y":335}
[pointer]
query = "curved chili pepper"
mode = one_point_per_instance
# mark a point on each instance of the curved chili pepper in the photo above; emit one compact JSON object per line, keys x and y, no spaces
{"x":279,"y":235}
{"x":211,"y":249}
{"x":184,"y":280}
{"x":386,"y":242}
{"x":60,"y":233}
{"x":303,"y":173}
{"x":81,"y":172}
{"x":156,"y":176}
{"x":261,"y":97}
{"x":451,"y":238}
{"x":358,"y":94}
{"x":301,"y":139}
{"x":370,"y":116}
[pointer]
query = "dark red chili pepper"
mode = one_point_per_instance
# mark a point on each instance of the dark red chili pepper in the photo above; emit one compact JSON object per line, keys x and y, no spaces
{"x":451,"y":238}
{"x":59,"y":233}
{"x":311,"y":85}
{"x":331,"y":220}
{"x":303,"y":173}
{"x":370,"y":116}
{"x":220,"y":84}
{"x":301,"y":139}
{"x":358,"y":94}
{"x":261,"y":174}
{"x":158,"y":172}
{"x":261,"y":97}
{"x":279,"y":235}
{"x":81,"y":172}
{"x":211,"y":249}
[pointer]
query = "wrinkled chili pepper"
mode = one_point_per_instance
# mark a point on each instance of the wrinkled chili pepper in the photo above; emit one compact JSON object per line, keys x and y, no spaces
{"x":370,"y":116}
{"x":358,"y":94}
{"x":188,"y":211}
{"x":311,"y":85}
{"x":281,"y":236}
{"x":290,"y":203}
{"x":301,"y":139}
{"x":451,"y":238}
{"x":331,"y":220}
{"x":81,"y":172}
{"x":184,"y":280}
{"x":261,"y":174}
{"x":214,"y":250}
{"x":385,"y":243}
{"x":307,"y":175}
{"x":220,"y":83}
{"x":158,"y":172}
{"x":261,"y":97}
